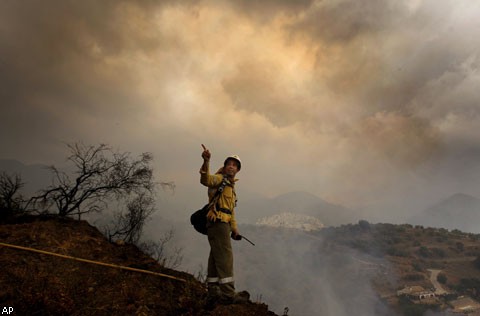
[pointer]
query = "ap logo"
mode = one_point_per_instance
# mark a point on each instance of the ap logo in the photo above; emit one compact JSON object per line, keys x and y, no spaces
{"x":7,"y":310}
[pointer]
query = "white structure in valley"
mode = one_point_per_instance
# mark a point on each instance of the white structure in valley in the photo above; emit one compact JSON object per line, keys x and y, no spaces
{"x":291,"y":220}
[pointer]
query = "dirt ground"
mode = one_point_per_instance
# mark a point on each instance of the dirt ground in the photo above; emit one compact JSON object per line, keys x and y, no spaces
{"x":39,"y":284}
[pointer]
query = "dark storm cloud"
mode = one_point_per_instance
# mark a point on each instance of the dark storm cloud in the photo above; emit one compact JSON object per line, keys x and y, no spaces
{"x":48,"y":43}
{"x":359,"y":84}
{"x":59,"y":68}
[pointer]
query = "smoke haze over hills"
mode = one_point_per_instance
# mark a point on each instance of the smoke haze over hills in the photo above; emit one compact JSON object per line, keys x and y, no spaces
{"x":360,"y":104}
{"x":459,"y":211}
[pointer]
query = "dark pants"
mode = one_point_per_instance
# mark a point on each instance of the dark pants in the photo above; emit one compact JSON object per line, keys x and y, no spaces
{"x":220,"y":261}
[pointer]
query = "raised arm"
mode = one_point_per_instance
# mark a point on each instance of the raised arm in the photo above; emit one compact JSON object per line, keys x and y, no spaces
{"x":206,"y":159}
{"x":205,"y":177}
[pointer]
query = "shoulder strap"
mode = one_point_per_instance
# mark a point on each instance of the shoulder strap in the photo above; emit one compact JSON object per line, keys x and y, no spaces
{"x":219,"y":191}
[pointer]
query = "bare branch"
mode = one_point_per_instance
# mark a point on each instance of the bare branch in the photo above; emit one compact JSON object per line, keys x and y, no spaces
{"x":100,"y":174}
{"x":129,"y":225}
{"x":10,"y":201}
{"x":167,"y":255}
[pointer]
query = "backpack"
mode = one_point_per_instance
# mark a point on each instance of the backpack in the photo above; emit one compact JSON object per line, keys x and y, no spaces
{"x":199,"y":218}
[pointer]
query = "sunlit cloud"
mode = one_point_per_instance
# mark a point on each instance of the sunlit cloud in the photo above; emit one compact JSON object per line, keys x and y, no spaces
{"x":354,"y":99}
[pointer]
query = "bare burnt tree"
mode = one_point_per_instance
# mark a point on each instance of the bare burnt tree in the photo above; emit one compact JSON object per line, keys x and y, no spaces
{"x":169,"y":257}
{"x":201,"y":274}
{"x":10,"y":200}
{"x":128,"y":225}
{"x":99,"y":175}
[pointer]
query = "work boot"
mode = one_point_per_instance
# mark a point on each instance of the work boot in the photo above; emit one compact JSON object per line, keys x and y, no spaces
{"x":225,"y":300}
{"x":213,"y":297}
{"x":238,"y":298}
{"x":210,"y":304}
{"x":214,"y":291}
{"x":241,"y":297}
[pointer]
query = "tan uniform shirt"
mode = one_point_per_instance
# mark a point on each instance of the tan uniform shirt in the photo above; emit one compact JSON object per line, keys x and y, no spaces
{"x":226,"y":200}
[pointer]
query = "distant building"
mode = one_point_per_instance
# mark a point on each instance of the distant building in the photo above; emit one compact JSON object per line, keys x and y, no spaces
{"x":416,"y":292}
{"x":291,"y":220}
{"x":465,"y":305}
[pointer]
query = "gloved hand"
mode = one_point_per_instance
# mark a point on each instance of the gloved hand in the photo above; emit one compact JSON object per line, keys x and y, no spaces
{"x":206,"y":153}
{"x":236,"y":236}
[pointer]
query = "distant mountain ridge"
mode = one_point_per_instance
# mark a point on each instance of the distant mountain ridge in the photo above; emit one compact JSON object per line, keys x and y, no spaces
{"x":296,"y":202}
{"x":459,"y":211}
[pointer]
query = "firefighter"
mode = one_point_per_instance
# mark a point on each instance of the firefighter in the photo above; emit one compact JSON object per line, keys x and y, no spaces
{"x":221,"y":225}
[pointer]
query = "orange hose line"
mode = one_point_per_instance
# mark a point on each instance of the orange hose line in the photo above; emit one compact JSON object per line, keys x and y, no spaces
{"x":91,"y":261}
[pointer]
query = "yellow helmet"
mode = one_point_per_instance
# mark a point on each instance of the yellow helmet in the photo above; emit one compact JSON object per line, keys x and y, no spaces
{"x":236,"y":158}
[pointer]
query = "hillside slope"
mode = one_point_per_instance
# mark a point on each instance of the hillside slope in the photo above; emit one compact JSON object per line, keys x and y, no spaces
{"x":39,"y":284}
{"x":415,"y":256}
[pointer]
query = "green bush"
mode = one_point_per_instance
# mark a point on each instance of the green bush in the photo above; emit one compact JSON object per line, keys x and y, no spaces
{"x":438,"y":252}
{"x":364,"y":225}
{"x":471,"y":285}
{"x":418,"y":266}
{"x":441,"y":239}
{"x":424,"y":252}
{"x":442,"y":278}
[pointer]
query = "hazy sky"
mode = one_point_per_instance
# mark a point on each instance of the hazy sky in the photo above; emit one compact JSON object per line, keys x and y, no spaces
{"x":372,"y":104}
